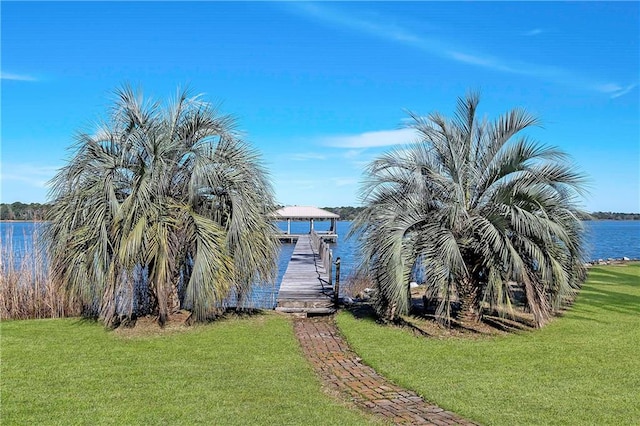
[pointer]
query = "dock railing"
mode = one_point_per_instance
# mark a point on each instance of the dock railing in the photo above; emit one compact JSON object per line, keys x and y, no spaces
{"x":321,"y":247}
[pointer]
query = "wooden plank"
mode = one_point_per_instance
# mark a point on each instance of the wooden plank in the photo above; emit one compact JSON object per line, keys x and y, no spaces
{"x":305,"y":286}
{"x":292,"y":238}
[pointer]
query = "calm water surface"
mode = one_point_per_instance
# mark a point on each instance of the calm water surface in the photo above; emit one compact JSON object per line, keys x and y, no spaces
{"x":612,"y":239}
{"x":604,"y":239}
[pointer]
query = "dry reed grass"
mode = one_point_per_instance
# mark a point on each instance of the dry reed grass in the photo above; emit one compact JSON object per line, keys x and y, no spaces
{"x":26,"y":288}
{"x":356,"y":283}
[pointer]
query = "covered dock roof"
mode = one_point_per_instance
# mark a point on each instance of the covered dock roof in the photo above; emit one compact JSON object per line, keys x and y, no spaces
{"x":299,"y":213}
{"x":304,"y":213}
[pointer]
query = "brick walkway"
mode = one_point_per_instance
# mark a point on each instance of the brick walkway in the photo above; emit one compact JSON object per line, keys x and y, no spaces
{"x":341,"y":369}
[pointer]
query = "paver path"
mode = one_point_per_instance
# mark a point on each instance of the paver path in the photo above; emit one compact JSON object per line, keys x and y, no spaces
{"x":341,"y":369}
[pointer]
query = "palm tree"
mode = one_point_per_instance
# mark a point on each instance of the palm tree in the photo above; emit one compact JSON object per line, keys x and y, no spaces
{"x":164,"y":208}
{"x":472,"y":207}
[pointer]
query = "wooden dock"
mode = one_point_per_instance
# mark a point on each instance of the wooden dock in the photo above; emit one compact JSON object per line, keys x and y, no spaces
{"x":292,"y":238}
{"x":306,"y":285}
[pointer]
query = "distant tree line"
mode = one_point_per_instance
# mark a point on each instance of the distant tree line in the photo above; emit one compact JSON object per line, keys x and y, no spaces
{"x":345,"y":213}
{"x":349,"y":213}
{"x":615,"y":216}
{"x":37,"y":211}
{"x":22,"y":211}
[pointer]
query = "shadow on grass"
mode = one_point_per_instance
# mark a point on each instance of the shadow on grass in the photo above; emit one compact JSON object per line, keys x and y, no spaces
{"x":509,"y":325}
{"x":585,"y":318}
{"x":362,"y":311}
{"x":85,"y":321}
{"x":623,"y":303}
{"x":180,"y":318}
{"x":424,"y":324}
{"x":614,"y":290}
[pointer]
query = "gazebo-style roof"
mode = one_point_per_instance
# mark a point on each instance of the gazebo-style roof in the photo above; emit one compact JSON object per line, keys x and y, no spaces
{"x":304,"y":213}
{"x":311,"y":214}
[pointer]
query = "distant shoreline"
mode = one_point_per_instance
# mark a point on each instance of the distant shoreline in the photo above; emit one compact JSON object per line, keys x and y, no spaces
{"x":339,"y":220}
{"x":19,"y":212}
{"x":21,"y":220}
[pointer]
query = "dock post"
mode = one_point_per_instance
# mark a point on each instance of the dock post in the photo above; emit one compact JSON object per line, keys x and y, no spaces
{"x":336,"y":287}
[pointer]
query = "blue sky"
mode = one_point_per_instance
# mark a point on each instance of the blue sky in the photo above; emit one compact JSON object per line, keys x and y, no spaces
{"x":322,"y":88}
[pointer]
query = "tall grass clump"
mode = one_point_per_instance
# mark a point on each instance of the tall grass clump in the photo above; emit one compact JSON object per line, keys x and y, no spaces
{"x":26,"y":287}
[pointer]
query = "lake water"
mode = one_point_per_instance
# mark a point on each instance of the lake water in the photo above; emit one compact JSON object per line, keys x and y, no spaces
{"x":613,"y":239}
{"x":605,"y":239}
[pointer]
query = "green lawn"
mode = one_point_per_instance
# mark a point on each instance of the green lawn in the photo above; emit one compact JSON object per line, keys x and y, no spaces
{"x":583,"y":369}
{"x":238,"y":371}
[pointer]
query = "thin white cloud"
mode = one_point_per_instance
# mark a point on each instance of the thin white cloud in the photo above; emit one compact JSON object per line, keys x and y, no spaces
{"x":353,"y":153}
{"x":481,"y":61}
{"x":16,"y":77}
{"x":289,"y":181}
{"x":431,"y":45}
{"x":305,"y":156}
{"x":361,"y":164}
{"x":615,"y":90}
{"x":608,"y":88}
{"x":30,"y":175}
{"x":344,"y":181}
{"x":359,"y":158}
{"x":533,"y":32}
{"x":371,"y":139}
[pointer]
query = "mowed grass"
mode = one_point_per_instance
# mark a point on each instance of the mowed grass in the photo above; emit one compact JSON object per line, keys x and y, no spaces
{"x":582,"y":369}
{"x":234,"y":372}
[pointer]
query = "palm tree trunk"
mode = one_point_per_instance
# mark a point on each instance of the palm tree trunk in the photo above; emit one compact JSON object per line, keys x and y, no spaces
{"x":174,"y":300}
{"x":168,"y":303}
{"x":469,"y":302}
{"x":161,"y":300}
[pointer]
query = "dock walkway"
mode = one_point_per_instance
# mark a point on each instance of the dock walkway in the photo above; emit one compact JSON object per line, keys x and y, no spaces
{"x":306,"y":285}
